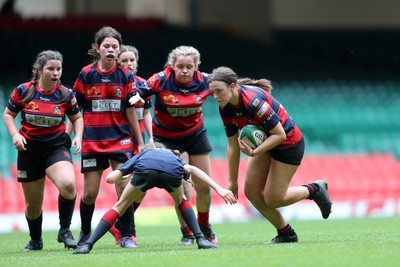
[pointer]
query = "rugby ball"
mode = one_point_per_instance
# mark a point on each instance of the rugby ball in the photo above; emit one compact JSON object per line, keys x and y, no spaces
{"x":252,"y":135}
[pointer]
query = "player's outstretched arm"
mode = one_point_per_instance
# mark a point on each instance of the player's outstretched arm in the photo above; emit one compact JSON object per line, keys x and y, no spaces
{"x":115,"y":177}
{"x":225,"y":194}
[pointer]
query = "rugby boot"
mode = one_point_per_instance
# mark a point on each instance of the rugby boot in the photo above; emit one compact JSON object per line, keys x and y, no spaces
{"x":187,"y":238}
{"x":284,"y":239}
{"x":209,"y":234}
{"x":85,"y":248}
{"x":127,"y":242}
{"x":83,"y":238}
{"x":204,"y":243}
{"x":33,"y":245}
{"x":322,"y":198}
{"x":65,"y":236}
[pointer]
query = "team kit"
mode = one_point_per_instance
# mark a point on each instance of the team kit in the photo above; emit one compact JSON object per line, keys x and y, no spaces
{"x":105,"y":117}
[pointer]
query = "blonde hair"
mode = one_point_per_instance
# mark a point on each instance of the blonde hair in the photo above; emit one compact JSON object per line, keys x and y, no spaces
{"x":183,"y":50}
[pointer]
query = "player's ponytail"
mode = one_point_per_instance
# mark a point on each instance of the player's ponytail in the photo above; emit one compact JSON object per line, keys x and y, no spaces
{"x":262,"y":83}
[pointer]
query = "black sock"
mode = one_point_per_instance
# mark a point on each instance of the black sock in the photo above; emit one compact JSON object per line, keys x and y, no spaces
{"x":100,"y":230}
{"x":65,"y":211}
{"x":133,"y":226}
{"x":312,"y":189}
{"x":190,"y":218}
{"x":286,"y":231}
{"x":125,"y":222}
{"x":86,"y":212}
{"x":35,"y":227}
{"x":104,"y":225}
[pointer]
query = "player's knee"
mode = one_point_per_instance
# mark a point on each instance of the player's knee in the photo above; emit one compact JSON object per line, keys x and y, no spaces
{"x":273,"y":201}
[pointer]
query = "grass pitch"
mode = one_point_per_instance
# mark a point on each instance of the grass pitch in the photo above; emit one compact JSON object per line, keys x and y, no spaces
{"x":350,"y":242}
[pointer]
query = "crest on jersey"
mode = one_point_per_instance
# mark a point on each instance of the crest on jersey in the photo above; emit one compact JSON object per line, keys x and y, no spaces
{"x":56,"y":110}
{"x":118,"y":92}
{"x":31,"y":105}
{"x":93,"y":91}
{"x":170,"y":99}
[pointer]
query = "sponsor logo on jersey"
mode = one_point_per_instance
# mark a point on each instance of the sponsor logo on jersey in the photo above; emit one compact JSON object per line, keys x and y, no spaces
{"x":22,"y":174}
{"x":263,"y":109}
{"x":126,"y":142}
{"x":89,"y":163}
{"x":42,"y":121}
{"x":183,"y":90}
{"x":183,"y":112}
{"x":139,"y":112}
{"x":44,"y":99}
{"x":105,"y":80}
{"x":100,"y":105}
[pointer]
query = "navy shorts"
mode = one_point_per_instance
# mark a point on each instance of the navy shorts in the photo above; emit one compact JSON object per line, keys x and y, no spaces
{"x":101,"y":162}
{"x":194,"y":144}
{"x":39,"y":155}
{"x":147,"y":179}
{"x":290,"y":155}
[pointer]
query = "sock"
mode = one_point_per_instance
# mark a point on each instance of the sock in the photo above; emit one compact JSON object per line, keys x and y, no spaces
{"x":35,"y":227}
{"x":86,"y":212}
{"x":65,"y":211}
{"x":313,"y":189}
{"x":190,"y":218}
{"x":186,"y":230}
{"x":133,"y":226}
{"x":104,"y":225}
{"x":286,"y":231}
{"x":203,"y":218}
{"x":125,"y":222}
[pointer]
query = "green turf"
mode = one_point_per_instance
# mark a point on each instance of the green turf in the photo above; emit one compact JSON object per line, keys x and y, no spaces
{"x":353,"y":242}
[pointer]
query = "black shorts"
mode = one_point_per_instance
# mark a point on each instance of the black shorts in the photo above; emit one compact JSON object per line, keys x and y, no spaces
{"x":101,"y":162}
{"x":148,"y":179}
{"x":290,"y":155}
{"x":39,"y":155}
{"x":194,"y":144}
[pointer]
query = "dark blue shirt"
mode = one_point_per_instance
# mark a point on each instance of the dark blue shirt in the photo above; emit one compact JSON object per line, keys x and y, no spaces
{"x":155,"y":159}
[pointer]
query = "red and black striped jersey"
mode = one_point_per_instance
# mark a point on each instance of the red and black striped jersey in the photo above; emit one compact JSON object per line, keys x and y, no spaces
{"x":103,"y":97}
{"x":256,"y":106}
{"x":43,"y":117}
{"x":178,"y":107}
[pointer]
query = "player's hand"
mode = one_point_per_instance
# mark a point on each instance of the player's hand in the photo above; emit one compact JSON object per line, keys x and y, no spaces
{"x":19,"y":142}
{"x":234,"y":187}
{"x":245,"y":148}
{"x":136,"y":99}
{"x":227,"y":196}
{"x":78,"y":143}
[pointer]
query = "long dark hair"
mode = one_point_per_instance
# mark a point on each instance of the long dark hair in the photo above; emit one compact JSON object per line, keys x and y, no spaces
{"x":41,"y":60}
{"x":99,"y":37}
